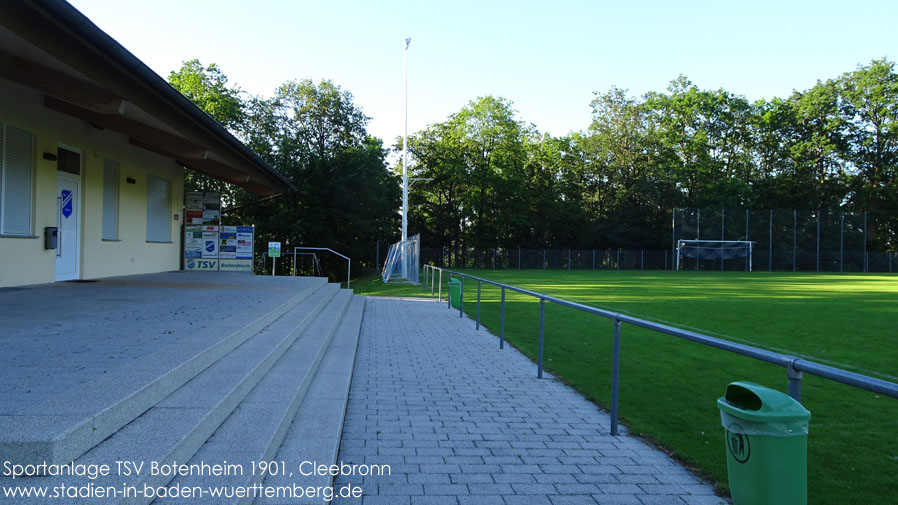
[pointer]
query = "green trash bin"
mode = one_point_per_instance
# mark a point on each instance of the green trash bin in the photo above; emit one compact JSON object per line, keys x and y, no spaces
{"x":454,"y":291}
{"x":766,"y":444}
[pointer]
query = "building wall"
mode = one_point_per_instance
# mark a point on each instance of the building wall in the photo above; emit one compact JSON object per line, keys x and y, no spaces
{"x":24,"y":260}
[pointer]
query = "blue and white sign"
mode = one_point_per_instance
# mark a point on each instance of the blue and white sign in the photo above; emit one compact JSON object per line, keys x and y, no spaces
{"x":66,"y":203}
{"x":200,"y":264}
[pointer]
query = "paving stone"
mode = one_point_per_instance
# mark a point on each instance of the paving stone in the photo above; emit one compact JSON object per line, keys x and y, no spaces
{"x":427,"y":378}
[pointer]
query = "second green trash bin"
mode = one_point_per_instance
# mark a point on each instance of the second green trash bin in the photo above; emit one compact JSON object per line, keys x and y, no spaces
{"x":766,"y":445}
{"x":454,"y":292}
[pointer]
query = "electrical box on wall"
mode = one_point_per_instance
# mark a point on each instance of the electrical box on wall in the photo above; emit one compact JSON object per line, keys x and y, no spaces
{"x":51,"y":234}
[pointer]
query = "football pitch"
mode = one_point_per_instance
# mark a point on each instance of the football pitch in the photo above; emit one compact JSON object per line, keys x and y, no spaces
{"x":669,"y":386}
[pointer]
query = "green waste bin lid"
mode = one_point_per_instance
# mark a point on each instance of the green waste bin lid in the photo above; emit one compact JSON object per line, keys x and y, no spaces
{"x":754,"y":402}
{"x":454,"y":281}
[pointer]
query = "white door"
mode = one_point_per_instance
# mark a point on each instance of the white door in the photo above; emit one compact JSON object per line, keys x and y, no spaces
{"x":68,"y":245}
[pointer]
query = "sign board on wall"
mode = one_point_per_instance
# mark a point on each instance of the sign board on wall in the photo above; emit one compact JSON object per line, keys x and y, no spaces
{"x":224,"y":248}
{"x":202,"y":207}
{"x":236,"y":249}
{"x":210,"y":242}
{"x":200,"y":264}
{"x":193,"y":242}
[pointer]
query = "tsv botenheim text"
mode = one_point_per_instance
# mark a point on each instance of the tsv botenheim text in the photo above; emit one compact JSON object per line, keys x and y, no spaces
{"x":94,"y":471}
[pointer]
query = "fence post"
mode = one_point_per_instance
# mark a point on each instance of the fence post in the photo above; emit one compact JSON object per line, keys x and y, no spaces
{"x":376,"y":254}
{"x":818,"y":240}
{"x":842,"y":244}
{"x":794,"y":377}
{"x":478,"y":304}
{"x":593,"y":259}
{"x":448,"y":293}
{"x":440,"y":289}
{"x":461,"y":296}
{"x":502,"y":320}
{"x":615,"y":375}
{"x":519,"y":258}
{"x":747,"y":237}
{"x":642,"y":259}
{"x":618,"y":259}
{"x":544,"y":259}
{"x":794,"y":239}
{"x":770,"y":245}
{"x":722,"y":225}
{"x":542,"y":323}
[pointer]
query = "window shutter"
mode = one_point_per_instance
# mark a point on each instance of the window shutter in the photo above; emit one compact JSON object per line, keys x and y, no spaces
{"x":158,"y":208}
{"x":110,"y":199}
{"x":16,"y":186}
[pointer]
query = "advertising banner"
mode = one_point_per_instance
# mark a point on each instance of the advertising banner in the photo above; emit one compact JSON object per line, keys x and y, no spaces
{"x":245,"y":242}
{"x":221,"y":248}
{"x":193,"y":242}
{"x":210,"y":242}
{"x":228,"y":243}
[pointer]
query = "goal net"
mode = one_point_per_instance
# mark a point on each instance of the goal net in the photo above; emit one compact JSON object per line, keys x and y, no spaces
{"x":403,"y":261}
{"x":718,"y":250}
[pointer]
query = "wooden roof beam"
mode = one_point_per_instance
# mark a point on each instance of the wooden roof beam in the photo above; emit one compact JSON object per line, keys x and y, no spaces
{"x":132,"y":128}
{"x":57,"y":84}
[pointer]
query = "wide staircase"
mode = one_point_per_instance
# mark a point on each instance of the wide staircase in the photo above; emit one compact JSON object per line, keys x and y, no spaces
{"x":248,"y":404}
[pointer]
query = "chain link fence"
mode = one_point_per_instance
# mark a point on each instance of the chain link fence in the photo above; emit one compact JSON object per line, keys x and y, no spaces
{"x":784,"y":240}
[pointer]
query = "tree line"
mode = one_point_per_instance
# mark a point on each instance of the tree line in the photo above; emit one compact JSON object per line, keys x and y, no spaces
{"x":497,"y":182}
{"x":345,"y":197}
{"x":493,"y":180}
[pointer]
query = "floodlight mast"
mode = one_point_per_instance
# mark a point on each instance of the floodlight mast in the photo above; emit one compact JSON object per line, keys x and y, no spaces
{"x":405,"y":150}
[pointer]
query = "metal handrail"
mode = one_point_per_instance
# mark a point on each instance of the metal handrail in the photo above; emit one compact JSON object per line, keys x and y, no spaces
{"x":348,"y":261}
{"x":315,"y":262}
{"x":794,"y":366}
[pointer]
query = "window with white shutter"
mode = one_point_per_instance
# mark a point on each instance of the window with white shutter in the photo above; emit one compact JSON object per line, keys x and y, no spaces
{"x":110,"y":199}
{"x":16,"y":181}
{"x":158,"y":209}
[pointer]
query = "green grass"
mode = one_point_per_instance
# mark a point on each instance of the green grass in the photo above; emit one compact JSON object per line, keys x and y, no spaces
{"x":669,"y":386}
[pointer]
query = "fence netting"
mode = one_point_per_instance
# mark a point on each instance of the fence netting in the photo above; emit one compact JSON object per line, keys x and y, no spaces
{"x":784,"y":240}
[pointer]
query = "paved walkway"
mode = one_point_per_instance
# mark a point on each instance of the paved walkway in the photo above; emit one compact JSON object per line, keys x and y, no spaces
{"x":460,"y":421}
{"x":55,"y":337}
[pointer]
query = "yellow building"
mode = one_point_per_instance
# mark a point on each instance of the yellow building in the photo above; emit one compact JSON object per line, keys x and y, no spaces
{"x":93,"y":144}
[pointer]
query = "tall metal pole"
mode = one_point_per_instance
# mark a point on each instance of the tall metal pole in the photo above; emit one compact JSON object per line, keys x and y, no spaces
{"x":405,"y":151}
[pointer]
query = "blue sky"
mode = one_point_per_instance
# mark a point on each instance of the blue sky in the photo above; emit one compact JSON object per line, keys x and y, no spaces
{"x":547,"y":57}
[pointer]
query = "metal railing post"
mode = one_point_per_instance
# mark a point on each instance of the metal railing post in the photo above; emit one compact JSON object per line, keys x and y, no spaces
{"x":449,"y":293}
{"x":502,"y":320}
{"x":478,"y":304}
{"x":794,"y":377}
{"x":461,"y":296}
{"x":542,"y":324}
{"x":615,"y":375}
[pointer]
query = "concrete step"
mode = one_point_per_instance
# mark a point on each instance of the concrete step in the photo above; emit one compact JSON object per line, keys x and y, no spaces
{"x":61,"y":429}
{"x":256,"y":429}
{"x":174,"y":429}
{"x":314,"y":435}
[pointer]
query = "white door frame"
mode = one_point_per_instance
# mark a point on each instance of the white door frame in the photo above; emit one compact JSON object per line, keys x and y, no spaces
{"x":77,"y":208}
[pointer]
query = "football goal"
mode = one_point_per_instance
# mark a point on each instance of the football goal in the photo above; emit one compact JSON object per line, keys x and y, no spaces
{"x":403,"y":261}
{"x":718,"y":250}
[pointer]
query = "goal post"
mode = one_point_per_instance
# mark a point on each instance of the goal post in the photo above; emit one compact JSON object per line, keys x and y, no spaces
{"x":403,"y":261}
{"x":715,"y":250}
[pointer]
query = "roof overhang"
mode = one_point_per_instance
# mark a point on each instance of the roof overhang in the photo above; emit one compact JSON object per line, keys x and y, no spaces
{"x":48,"y":46}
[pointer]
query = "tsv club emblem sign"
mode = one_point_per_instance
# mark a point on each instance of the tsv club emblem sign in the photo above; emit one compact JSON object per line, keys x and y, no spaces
{"x":66,"y":203}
